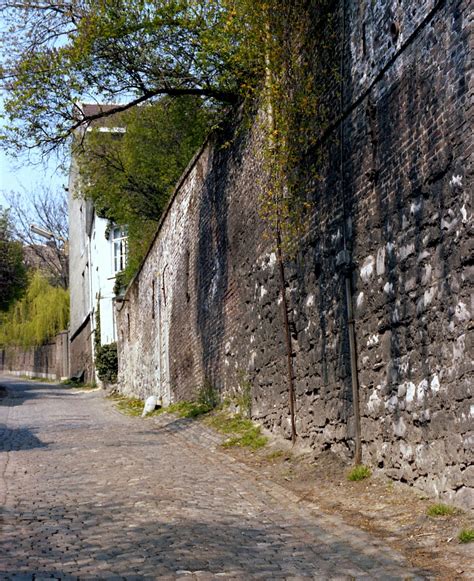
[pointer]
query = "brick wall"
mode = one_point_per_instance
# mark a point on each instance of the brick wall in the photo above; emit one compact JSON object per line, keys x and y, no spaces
{"x":50,"y":361}
{"x":206,"y":303}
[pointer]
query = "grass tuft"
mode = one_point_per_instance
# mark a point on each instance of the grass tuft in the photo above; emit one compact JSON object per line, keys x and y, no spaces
{"x":466,"y":536}
{"x":134,"y":407}
{"x":75,"y":383}
{"x":441,"y":509}
{"x":359,"y":472}
{"x":277,"y":454}
{"x":243,"y":432}
{"x":188,"y":409}
{"x":127,"y":405}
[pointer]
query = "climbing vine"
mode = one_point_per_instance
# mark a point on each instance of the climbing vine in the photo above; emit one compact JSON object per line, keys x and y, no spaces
{"x":299,"y":72}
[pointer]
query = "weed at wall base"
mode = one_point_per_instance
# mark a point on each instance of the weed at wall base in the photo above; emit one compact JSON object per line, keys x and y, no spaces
{"x":441,"y":509}
{"x":466,"y":536}
{"x":359,"y":472}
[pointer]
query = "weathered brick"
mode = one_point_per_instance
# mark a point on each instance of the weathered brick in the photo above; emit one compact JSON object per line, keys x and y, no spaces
{"x":405,"y":180}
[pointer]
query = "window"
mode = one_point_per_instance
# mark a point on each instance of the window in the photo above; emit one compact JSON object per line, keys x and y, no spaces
{"x":119,"y":241}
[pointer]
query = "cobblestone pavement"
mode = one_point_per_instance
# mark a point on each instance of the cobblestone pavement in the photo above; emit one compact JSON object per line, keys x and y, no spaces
{"x":88,"y":493}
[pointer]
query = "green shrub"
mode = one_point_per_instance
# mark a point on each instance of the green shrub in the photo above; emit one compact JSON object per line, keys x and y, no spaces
{"x":359,"y":472}
{"x":106,"y":362}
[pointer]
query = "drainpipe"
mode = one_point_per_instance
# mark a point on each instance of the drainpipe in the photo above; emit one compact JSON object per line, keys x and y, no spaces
{"x":279,"y":250}
{"x":345,"y":259}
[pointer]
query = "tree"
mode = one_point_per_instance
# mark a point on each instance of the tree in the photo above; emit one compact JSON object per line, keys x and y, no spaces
{"x":58,"y":54}
{"x":38,"y":316}
{"x":48,"y":210}
{"x":130,"y":175}
{"x":13,"y":277}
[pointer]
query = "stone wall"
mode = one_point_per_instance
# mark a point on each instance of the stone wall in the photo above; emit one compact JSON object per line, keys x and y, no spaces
{"x":394,"y":198}
{"x":49,"y":361}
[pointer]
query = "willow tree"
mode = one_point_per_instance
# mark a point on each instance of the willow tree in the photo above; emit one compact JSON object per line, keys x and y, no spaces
{"x":38,"y":316}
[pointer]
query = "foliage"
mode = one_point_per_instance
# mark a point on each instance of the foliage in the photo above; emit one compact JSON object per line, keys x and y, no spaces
{"x":106,"y":362}
{"x":106,"y":359}
{"x":120,"y":284}
{"x":208,"y":396}
{"x":300,"y":72}
{"x":466,"y":536}
{"x":129,"y":406}
{"x":130,"y":176}
{"x":60,"y":53}
{"x":39,"y":316}
{"x":244,"y":399}
{"x":243,"y":432}
{"x":13,"y":279}
{"x":47,"y":209}
{"x":441,"y":509}
{"x":105,"y":356}
{"x":359,"y":472}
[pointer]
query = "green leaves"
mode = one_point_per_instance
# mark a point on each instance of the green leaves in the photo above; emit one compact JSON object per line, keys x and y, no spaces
{"x":13,"y":277}
{"x":56,"y":54}
{"x":40,"y":315}
{"x":132,"y":174}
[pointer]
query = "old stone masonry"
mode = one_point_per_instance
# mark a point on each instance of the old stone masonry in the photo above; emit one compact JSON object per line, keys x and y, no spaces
{"x":386,"y":265}
{"x":90,"y":494}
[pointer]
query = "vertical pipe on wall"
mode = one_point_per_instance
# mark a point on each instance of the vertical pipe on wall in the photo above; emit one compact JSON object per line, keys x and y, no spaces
{"x":348,"y":270}
{"x":281,"y":266}
{"x":289,"y":348}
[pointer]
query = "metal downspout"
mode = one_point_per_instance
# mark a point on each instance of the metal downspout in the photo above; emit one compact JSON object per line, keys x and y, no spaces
{"x":347,"y":261}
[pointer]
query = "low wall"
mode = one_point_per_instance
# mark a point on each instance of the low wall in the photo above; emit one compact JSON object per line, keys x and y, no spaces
{"x":206,"y":304}
{"x":49,"y":361}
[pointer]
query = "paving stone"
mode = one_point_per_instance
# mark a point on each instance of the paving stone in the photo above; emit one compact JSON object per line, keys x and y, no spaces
{"x":92,"y":494}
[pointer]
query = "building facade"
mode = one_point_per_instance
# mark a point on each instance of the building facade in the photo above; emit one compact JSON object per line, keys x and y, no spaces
{"x":98,"y":251}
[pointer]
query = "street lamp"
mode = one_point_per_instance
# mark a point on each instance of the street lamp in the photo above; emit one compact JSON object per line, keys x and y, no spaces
{"x":45,"y":233}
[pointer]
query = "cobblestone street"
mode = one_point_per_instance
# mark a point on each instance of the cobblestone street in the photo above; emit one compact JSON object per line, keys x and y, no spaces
{"x":88,"y":493}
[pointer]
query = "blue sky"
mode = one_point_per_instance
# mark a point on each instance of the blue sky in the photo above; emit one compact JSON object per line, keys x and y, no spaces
{"x":19,"y":175}
{"x":22,"y":175}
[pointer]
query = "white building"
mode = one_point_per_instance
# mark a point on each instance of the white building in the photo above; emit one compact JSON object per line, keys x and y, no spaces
{"x":98,"y":251}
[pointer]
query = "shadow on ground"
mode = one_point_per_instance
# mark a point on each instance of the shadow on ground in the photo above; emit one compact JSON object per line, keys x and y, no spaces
{"x":13,"y":440}
{"x":13,"y":392}
{"x":106,"y":544}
